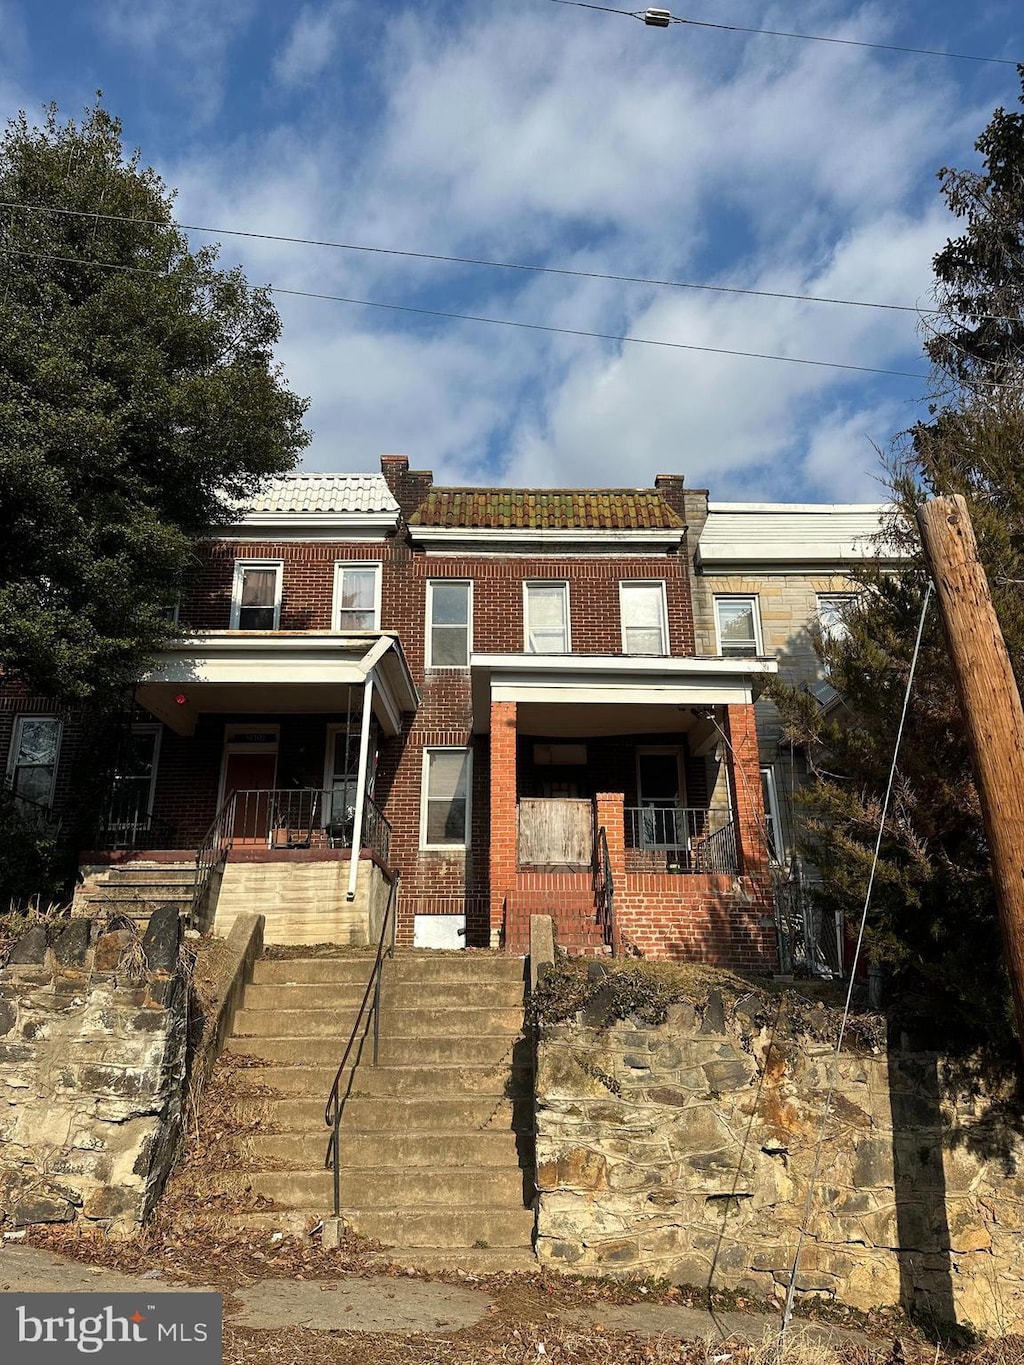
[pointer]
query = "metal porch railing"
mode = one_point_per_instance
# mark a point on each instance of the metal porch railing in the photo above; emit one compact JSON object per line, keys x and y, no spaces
{"x":680,"y":839}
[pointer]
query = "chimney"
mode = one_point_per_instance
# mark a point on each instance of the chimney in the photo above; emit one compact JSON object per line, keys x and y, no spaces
{"x":671,"y":488}
{"x":409,"y":487}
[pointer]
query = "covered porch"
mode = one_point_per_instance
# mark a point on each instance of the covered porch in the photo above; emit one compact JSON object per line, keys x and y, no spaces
{"x":625,"y":793}
{"x":250,"y":748}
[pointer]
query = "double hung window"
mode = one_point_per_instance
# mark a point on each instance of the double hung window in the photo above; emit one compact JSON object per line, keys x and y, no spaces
{"x":449,"y":623}
{"x":357,"y":597}
{"x":256,"y":598}
{"x":32,"y":766}
{"x":546,"y":618}
{"x":642,"y":610}
{"x":445,"y":800}
{"x":739,"y":626}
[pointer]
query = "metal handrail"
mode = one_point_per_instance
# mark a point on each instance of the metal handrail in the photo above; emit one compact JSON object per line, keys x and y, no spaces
{"x":604,"y":891}
{"x":687,"y":838}
{"x":376,"y":830}
{"x":212,"y":851}
{"x":333,"y":1108}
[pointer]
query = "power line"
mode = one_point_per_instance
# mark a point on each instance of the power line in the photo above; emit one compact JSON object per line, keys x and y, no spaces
{"x":498,"y":322}
{"x":473,"y":260}
{"x":805,"y":37}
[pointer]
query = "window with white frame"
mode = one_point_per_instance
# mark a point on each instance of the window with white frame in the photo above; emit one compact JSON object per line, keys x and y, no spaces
{"x":356,"y":596}
{"x":445,"y":799}
{"x":449,"y":623}
{"x":739,"y":626}
{"x":832,"y":612}
{"x":773,"y":824}
{"x":32,"y":762}
{"x":256,"y":595}
{"x":643,"y":615}
{"x":546,"y":618}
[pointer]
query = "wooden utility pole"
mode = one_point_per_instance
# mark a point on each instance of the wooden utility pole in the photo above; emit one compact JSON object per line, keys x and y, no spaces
{"x":992,"y":712}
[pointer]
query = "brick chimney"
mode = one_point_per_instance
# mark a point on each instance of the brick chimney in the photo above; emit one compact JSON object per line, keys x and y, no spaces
{"x":409,"y":486}
{"x":671,"y":487}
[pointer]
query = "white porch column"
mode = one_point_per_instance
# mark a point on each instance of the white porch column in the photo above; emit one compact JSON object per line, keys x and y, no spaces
{"x":357,"y":821}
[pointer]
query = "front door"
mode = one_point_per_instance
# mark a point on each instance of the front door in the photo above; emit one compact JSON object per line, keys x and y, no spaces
{"x":252,"y":775}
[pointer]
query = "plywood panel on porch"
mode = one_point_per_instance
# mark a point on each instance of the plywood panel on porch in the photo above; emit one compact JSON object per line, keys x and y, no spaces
{"x":555,"y":832}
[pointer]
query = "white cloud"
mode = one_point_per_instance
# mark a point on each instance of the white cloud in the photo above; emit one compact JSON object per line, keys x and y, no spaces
{"x":186,"y":40}
{"x":511,"y":133}
{"x":310,"y":46}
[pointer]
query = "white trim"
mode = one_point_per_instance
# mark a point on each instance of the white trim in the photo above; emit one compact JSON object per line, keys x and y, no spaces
{"x":667,"y":535}
{"x":12,"y":753}
{"x":340,"y":565}
{"x":645,"y":583}
{"x":754,"y":599}
{"x":428,"y":644}
{"x":241,"y":565}
{"x":811,"y":508}
{"x":424,"y":792}
{"x":562,"y":583}
{"x":358,"y":523}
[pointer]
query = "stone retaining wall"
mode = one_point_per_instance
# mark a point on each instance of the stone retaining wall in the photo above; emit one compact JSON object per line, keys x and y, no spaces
{"x":93,"y":1049}
{"x":686,"y":1151}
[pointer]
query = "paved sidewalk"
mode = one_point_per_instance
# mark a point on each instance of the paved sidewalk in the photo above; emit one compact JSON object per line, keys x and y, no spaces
{"x":386,"y":1303}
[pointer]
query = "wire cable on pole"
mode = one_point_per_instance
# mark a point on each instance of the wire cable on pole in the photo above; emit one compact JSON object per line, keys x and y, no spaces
{"x":662,"y":18}
{"x":499,"y":322}
{"x":468,"y":260}
{"x":787,"y":1313}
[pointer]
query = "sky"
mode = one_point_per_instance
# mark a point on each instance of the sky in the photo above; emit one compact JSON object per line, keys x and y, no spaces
{"x":540,"y":133}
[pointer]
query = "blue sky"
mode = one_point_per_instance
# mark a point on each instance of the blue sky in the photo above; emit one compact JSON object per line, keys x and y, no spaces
{"x":523,"y":130}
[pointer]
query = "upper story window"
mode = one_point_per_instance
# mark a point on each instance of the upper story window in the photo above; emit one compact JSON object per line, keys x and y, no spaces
{"x":449,"y":623}
{"x":832,"y":610}
{"x":546,"y":618}
{"x":256,"y":595}
{"x":644,"y":622}
{"x":32,"y":764}
{"x":739,"y":626}
{"x":356,"y":596}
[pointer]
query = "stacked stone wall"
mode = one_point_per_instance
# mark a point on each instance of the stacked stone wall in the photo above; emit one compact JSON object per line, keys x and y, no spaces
{"x":93,"y":1053}
{"x":686,"y":1150}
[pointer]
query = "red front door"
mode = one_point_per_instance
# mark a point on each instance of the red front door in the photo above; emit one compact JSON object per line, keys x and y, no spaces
{"x":252,"y":776}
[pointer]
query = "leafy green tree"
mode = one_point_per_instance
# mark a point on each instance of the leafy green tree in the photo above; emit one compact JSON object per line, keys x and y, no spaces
{"x":933,"y":919}
{"x":138,"y":396}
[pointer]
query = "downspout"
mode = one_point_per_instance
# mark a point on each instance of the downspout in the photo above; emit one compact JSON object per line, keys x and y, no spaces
{"x":357,"y":820}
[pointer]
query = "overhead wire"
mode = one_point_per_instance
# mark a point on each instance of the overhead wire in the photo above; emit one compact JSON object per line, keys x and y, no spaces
{"x":804,"y":37}
{"x":622,"y":339}
{"x":651,"y":281}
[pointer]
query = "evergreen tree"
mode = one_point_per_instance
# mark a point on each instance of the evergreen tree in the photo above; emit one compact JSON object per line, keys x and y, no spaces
{"x":933,"y":920}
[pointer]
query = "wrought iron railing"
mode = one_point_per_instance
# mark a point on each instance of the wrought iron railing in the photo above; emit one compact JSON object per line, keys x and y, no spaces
{"x":680,"y":839}
{"x":376,"y":831}
{"x":604,"y":891}
{"x":336,"y":1100}
{"x":128,"y":823}
{"x":211,"y":853}
{"x":307,"y":817}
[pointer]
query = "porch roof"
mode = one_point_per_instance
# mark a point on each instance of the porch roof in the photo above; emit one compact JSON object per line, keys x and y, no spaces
{"x":611,"y":693}
{"x":262,"y":672}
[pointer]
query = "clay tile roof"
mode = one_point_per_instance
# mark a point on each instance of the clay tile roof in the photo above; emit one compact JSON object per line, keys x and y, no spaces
{"x":519,"y":509}
{"x":326,"y":493}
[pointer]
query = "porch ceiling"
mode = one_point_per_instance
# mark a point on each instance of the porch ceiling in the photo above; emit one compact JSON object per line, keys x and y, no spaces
{"x":300,"y":672}
{"x":610,"y":694}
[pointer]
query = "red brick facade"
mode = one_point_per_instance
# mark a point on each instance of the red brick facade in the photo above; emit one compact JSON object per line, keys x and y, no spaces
{"x":689,"y":916}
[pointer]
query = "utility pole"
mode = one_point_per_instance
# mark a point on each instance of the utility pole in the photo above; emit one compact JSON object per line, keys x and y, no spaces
{"x":992,"y":712}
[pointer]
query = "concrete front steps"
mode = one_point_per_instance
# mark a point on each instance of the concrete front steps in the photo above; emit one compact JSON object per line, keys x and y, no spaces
{"x":437,"y":1151}
{"x":136,"y":889}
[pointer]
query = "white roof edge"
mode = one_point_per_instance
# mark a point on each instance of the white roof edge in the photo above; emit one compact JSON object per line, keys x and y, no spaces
{"x":819,"y":508}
